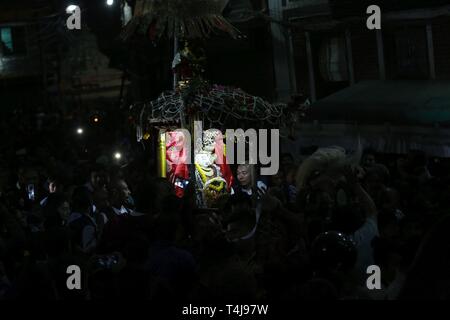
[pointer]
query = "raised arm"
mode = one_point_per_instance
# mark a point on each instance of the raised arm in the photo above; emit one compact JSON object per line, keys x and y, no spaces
{"x":364,"y":198}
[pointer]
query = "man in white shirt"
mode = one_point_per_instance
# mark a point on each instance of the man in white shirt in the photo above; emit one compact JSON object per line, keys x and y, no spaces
{"x":119,"y":193}
{"x":246,"y":180}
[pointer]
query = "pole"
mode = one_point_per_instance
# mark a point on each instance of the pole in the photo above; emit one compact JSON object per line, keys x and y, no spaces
{"x":175,"y":51}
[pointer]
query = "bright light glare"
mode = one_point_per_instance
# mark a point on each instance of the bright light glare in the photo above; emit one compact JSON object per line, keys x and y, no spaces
{"x":80,"y":131}
{"x":96,"y":119}
{"x":110,"y":2}
{"x":71,"y":8}
{"x":117,"y":155}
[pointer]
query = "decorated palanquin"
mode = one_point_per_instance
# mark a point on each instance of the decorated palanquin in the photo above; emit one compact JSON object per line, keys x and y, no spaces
{"x":194,"y":99}
{"x":185,"y":162}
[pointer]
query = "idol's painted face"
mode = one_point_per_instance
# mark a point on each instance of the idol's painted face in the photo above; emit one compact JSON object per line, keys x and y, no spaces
{"x":209,"y":140}
{"x":204,"y":159}
{"x":244,"y":176}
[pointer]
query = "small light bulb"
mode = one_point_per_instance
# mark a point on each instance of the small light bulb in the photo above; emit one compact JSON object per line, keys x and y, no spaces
{"x":80,"y":131}
{"x":110,"y":2}
{"x":117,"y":155}
{"x":96,"y":119}
{"x":71,"y":8}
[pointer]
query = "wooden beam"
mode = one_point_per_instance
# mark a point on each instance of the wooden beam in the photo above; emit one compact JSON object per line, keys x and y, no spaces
{"x":417,"y":14}
{"x":430,"y":46}
{"x":351,"y":70}
{"x":312,"y":78}
{"x":380,"y":48}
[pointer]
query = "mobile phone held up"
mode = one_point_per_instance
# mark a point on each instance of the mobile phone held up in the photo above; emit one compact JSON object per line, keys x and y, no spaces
{"x":261,"y":189}
{"x":31,"y":192}
{"x":108,"y":261}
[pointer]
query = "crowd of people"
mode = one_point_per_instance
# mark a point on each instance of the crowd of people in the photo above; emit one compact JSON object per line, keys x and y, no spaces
{"x":286,"y":237}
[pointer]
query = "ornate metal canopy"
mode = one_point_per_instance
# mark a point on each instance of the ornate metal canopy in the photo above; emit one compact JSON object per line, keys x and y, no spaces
{"x":184,"y":19}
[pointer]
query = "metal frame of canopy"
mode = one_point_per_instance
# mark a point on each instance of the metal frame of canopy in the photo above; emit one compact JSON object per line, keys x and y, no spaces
{"x":217,"y":107}
{"x":185,"y":19}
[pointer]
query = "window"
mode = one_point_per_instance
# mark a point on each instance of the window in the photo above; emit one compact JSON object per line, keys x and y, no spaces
{"x":406,"y":52}
{"x":330,"y":62}
{"x":12,"y":41}
{"x":333,"y":60}
{"x":6,"y":38}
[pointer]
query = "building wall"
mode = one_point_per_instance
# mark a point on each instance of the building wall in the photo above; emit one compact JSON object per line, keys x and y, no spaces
{"x":365,"y":58}
{"x":405,"y":51}
{"x":441,"y":36}
{"x":23,"y":64}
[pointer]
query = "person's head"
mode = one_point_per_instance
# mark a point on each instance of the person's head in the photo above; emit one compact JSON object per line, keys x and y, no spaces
{"x":245,"y":176}
{"x":287,"y":159}
{"x":376,"y":178}
{"x":101,"y":199}
{"x":53,"y":184}
{"x":369,"y":158}
{"x":119,"y":192}
{"x":168,"y":222}
{"x":390,"y":200}
{"x":388,"y":224}
{"x":150,"y":194}
{"x":278,"y":179}
{"x":99,"y":177}
{"x":417,"y":161}
{"x":57,"y":207}
{"x":290,"y":172}
{"x":82,"y":200}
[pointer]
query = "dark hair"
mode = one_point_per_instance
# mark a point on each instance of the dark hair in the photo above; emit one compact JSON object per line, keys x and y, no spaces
{"x":144,"y":196}
{"x":50,"y":210}
{"x":418,"y":158}
{"x":148,"y":193}
{"x":113,"y":185}
{"x":380,"y":171}
{"x":166,"y":226}
{"x":97,"y":167}
{"x":81,"y":199}
{"x":347,"y":219}
{"x":369,"y":151}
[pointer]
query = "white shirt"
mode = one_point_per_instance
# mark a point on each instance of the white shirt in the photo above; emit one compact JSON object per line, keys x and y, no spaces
{"x":122,"y":211}
{"x":249,"y":191}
